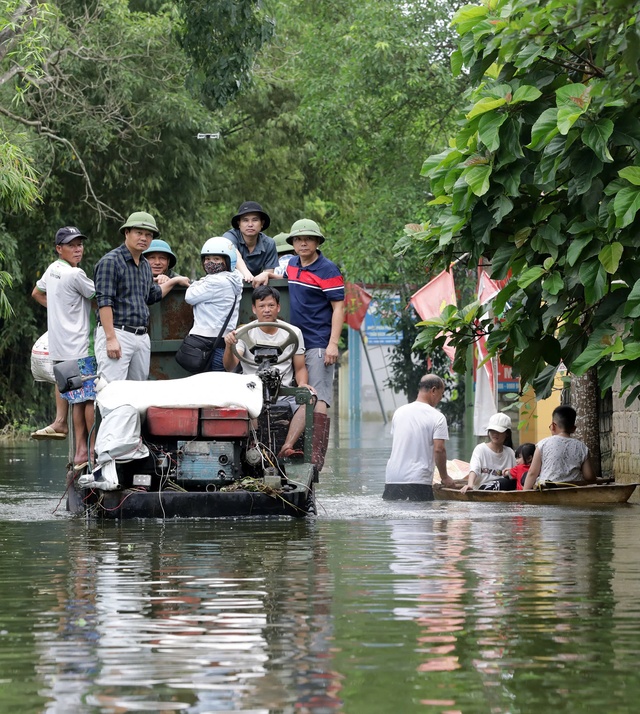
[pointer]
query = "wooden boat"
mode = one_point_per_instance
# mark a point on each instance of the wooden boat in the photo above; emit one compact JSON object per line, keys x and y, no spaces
{"x":596,"y":494}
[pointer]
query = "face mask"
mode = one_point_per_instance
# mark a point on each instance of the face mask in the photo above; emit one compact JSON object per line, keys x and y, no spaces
{"x":212,"y":268}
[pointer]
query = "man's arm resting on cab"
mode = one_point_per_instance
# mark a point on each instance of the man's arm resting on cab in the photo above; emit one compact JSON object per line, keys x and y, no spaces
{"x":169,"y":284}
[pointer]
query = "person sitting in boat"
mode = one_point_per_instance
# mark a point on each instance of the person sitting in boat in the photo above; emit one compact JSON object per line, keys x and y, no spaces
{"x":162,"y":260}
{"x":216,"y":296}
{"x":265,"y":304}
{"x":419,"y":433}
{"x":560,"y":457}
{"x":490,"y":460}
{"x":524,"y":455}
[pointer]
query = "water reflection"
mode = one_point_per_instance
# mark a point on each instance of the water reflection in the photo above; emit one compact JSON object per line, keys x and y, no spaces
{"x":208,"y":618}
{"x":372,"y":607}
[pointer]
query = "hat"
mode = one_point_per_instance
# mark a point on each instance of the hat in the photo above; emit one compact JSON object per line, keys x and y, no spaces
{"x":67,"y":234}
{"x":140,"y":219}
{"x":499,"y":422}
{"x":305,"y":227}
{"x":161,"y":246}
{"x":251,"y":207}
{"x":281,"y":243}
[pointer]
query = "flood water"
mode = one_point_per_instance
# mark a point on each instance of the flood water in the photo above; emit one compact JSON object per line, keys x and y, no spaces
{"x":370,"y":607}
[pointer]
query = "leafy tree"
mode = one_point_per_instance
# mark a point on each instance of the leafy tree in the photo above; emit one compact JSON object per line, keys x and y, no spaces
{"x":543,"y":179}
{"x":107,"y":127}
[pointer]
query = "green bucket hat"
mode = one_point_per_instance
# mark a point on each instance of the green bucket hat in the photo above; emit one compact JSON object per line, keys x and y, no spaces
{"x":140,"y":219}
{"x":305,"y":227}
{"x":161,"y":246}
{"x":281,"y":243}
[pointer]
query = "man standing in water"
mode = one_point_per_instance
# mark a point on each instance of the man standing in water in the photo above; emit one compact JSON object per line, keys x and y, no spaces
{"x":419,"y":431}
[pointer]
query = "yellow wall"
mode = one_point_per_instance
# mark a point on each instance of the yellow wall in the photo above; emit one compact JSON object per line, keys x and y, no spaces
{"x":536,"y":416}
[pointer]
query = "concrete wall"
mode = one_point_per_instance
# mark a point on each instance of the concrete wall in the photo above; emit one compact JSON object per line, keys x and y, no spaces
{"x":624,"y":437}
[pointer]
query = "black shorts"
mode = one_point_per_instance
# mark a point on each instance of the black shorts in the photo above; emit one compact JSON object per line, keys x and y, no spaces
{"x":407,"y":492}
{"x":504,"y":483}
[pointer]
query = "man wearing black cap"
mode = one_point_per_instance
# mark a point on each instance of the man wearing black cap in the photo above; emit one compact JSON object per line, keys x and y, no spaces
{"x":66,"y":292}
{"x":257,"y":252}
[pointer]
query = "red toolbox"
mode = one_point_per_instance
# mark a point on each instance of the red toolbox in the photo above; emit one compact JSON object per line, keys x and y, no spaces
{"x":172,"y":421}
{"x":224,"y":422}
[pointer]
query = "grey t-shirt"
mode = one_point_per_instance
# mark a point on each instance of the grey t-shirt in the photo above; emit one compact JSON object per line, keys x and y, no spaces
{"x":69,"y":292}
{"x":562,"y":459}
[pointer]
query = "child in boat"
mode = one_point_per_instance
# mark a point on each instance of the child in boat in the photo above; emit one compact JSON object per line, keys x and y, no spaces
{"x":560,"y":457}
{"x":492,"y":459}
{"x":524,"y":455}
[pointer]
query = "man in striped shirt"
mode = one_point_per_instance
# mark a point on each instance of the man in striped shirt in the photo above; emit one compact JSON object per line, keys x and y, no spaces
{"x":316,"y":294}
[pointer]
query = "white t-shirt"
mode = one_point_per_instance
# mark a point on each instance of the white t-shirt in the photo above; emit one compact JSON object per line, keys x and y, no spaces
{"x":562,"y":459}
{"x":488,"y":466}
{"x":69,"y":292}
{"x":413,"y":428}
{"x":212,"y":298}
{"x":258,"y":336}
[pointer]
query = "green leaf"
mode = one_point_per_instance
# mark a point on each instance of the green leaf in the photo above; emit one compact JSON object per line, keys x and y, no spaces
{"x":526,"y":93}
{"x":486,"y":104}
{"x":531,"y":276}
{"x":544,"y":129}
{"x":457,"y":62}
{"x":596,"y":135}
{"x":575,"y":249}
{"x":630,"y":351}
{"x":477,"y":177}
{"x":593,"y":277}
{"x":625,"y":206}
{"x":489,"y":128}
{"x":573,"y":101}
{"x":553,"y":284}
{"x":468,"y":17}
{"x":573,"y":96}
{"x":632,"y":308}
{"x":610,"y":256}
{"x":631,"y":173}
{"x":551,"y":350}
{"x":600,"y":345}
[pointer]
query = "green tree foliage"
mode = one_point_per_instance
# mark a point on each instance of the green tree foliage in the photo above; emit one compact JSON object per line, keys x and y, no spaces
{"x":543,"y":179}
{"x":98,"y":114}
{"x":376,"y":93}
{"x":222,"y":37}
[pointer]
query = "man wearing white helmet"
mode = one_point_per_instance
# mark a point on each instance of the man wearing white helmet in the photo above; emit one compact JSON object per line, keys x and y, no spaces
{"x":124,"y":290}
{"x":316,"y":295}
{"x":216,"y":296}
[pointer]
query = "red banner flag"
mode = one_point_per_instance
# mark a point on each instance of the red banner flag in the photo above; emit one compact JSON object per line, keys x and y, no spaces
{"x":356,"y":304}
{"x":431,"y":300}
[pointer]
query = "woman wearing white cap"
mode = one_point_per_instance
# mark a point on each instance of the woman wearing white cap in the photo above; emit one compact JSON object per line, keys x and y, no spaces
{"x":494,"y":458}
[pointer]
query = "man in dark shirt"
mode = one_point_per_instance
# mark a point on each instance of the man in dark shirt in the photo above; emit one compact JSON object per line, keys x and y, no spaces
{"x":316,"y":295}
{"x":256,"y":251}
{"x":125,"y":288}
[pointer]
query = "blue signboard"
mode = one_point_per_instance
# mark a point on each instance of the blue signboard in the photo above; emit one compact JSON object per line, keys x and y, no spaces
{"x":375,"y":331}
